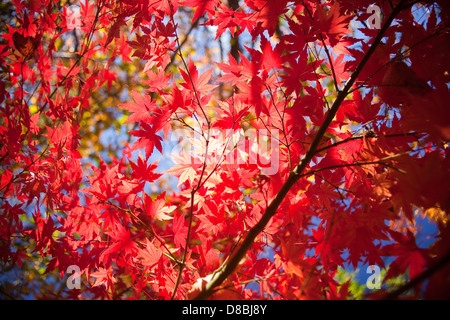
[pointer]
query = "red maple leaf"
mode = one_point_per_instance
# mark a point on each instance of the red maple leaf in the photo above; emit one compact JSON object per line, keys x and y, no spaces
{"x":195,"y":83}
{"x":298,"y":72}
{"x":408,"y":255}
{"x":271,"y":58}
{"x":144,"y":172}
{"x":150,"y":255}
{"x":208,"y":255}
{"x":148,"y":139}
{"x":231,"y":69}
{"x":122,"y":245}
{"x":157,"y":208}
{"x":233,"y":113}
{"x":267,"y":12}
{"x":339,"y":67}
{"x":141,"y":108}
{"x":103,"y":276}
{"x":201,"y":6}
{"x":332,"y":23}
{"x":179,"y":230}
{"x":187,"y":168}
{"x":157,"y":81}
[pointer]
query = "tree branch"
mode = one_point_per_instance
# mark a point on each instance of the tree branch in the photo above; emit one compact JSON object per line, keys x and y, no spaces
{"x":295,"y":175}
{"x":420,"y":278}
{"x":396,"y":135}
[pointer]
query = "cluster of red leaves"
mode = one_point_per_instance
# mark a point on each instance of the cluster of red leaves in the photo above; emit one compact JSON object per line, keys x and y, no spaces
{"x":381,"y":158}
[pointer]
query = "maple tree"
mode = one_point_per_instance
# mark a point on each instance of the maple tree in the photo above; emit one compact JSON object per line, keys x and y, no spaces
{"x":322,"y":145}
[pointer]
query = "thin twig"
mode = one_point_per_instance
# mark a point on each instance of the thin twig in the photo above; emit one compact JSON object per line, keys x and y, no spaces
{"x":195,"y":189}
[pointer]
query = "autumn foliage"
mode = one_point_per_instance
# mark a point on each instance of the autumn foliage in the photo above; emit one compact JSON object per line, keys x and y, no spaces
{"x":358,"y":116}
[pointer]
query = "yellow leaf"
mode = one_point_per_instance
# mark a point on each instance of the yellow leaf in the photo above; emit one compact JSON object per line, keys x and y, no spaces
{"x":437,"y":214}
